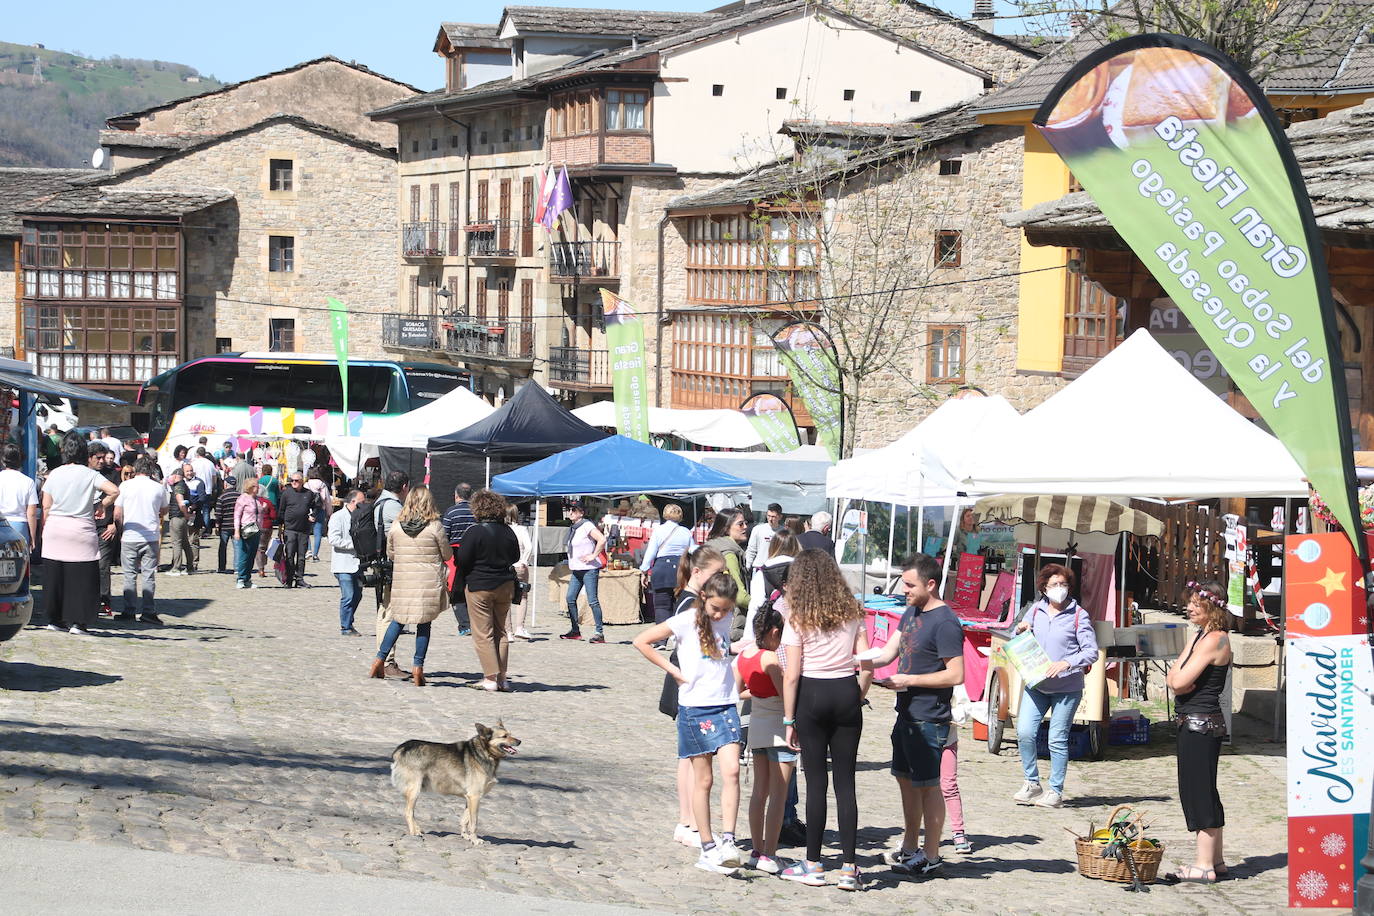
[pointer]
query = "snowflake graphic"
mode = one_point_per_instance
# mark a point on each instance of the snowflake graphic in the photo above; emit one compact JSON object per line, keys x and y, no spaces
{"x":1343,"y":888}
{"x":1333,"y":844}
{"x":1311,"y":884}
{"x":1311,"y":829}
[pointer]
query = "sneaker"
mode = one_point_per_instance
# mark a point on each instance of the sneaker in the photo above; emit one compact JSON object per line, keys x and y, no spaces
{"x":77,"y":629}
{"x":1050,"y":799}
{"x":897,"y":856}
{"x":105,"y":609}
{"x":911,"y":864}
{"x":687,"y":836}
{"x":173,"y":572}
{"x":766,"y":864}
{"x":710,"y":860}
{"x":55,"y":628}
{"x":349,"y":632}
{"x":804,"y":873}
{"x":253,"y":585}
{"x":1028,"y":794}
{"x":924,"y":866}
{"x":730,"y":854}
{"x":523,"y":634}
{"x":598,"y":638}
{"x":572,"y":634}
{"x":465,"y":631}
{"x":962,"y":844}
{"x":849,"y":879}
{"x":150,"y":618}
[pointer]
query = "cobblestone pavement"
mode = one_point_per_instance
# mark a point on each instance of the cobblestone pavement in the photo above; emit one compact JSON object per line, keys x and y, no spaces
{"x":246,"y":729}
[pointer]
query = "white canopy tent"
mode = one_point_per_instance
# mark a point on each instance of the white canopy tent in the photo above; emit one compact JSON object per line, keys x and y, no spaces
{"x":1136,"y":424}
{"x":795,"y":480}
{"x":711,"y":428}
{"x":458,"y":409}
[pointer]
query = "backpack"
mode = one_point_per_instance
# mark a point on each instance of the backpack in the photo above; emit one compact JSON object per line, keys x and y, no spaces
{"x":363,"y":528}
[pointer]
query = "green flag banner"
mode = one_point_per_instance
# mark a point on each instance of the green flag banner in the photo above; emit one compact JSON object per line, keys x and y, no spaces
{"x":772,"y":419}
{"x":625,"y":342}
{"x":1182,"y":152}
{"x":809,"y":355}
{"x":338,"y":329}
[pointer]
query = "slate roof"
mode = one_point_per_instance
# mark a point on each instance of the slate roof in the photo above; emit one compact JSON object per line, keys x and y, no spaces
{"x":581,"y":21}
{"x":1343,"y":62}
{"x":471,"y":35}
{"x":1335,"y":154}
{"x":140,"y":203}
{"x":228,"y":87}
{"x":781,"y":177}
{"x":150,"y":141}
{"x":17,"y":186}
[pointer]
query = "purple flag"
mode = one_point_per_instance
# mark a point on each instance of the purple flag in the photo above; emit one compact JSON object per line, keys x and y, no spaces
{"x":560,"y":200}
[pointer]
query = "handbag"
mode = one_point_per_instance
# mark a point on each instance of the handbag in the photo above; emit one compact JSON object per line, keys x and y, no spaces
{"x":249,"y":530}
{"x":667,"y":699}
{"x":274,"y":548}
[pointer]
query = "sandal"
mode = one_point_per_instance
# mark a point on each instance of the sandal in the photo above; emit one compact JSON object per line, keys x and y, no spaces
{"x":1193,"y":874}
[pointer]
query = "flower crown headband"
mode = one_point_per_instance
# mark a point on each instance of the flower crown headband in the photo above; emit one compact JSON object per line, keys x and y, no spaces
{"x":1208,"y":594}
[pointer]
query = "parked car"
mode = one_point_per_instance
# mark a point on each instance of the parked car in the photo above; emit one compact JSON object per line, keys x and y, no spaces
{"x":16,"y":602}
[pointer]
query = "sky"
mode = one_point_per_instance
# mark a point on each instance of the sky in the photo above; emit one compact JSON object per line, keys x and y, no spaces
{"x":243,"y":38}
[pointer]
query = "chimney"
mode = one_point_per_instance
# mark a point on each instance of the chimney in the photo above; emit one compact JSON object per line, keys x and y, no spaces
{"x":982,"y":9}
{"x":1077,"y":21}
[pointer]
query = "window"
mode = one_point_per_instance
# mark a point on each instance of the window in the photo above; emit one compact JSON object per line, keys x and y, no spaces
{"x":505,"y":135}
{"x":721,"y":359}
{"x":717,"y":89}
{"x":738,"y":260}
{"x":281,"y":253}
{"x":573,"y":113}
{"x":280,"y":174}
{"x":482,"y":138}
{"x":482,"y":195}
{"x":224,"y":345}
{"x":480,"y":299}
{"x":453,"y":141}
{"x":503,"y":299}
{"x":625,"y":110}
{"x":282,"y":333}
{"x":849,"y":95}
{"x":433,"y":143}
{"x":948,"y":248}
{"x":945,"y":353}
{"x":915,"y":95}
{"x":951,"y":166}
{"x":1094,"y":320}
{"x":455,"y":217}
{"x":780,"y":93}
{"x":414,"y":146}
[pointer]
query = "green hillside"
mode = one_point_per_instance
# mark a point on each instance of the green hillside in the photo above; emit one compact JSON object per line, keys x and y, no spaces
{"x":53,"y":117}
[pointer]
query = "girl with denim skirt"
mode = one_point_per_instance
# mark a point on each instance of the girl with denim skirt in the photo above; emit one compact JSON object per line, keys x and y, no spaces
{"x":759,"y":677}
{"x":707,"y":722}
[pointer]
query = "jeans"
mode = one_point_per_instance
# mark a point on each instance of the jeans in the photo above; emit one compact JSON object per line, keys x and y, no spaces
{"x":293,"y":542}
{"x":207,"y":514}
{"x":393,"y":631}
{"x":226,"y":535}
{"x":350,"y":596}
{"x":317,"y":535}
{"x":138,"y":557}
{"x":23,"y":528}
{"x":1061,"y":707}
{"x":580,"y":579}
{"x":245,"y":549}
{"x":109,"y":551}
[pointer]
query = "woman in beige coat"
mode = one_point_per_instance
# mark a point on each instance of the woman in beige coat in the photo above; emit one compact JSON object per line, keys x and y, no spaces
{"x":418,"y":550}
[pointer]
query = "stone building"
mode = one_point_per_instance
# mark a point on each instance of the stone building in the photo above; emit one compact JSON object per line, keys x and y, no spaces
{"x":17,"y":186}
{"x":642,"y":108}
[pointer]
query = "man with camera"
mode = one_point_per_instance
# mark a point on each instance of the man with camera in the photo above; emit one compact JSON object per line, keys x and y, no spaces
{"x":344,"y":562}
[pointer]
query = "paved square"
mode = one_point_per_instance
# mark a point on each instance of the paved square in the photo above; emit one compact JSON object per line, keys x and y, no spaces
{"x":247,"y":729}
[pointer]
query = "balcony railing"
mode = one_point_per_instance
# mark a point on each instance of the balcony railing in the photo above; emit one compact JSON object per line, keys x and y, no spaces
{"x":417,"y":332}
{"x":595,"y":260}
{"x":460,"y":335}
{"x":423,"y":240}
{"x":498,"y":238}
{"x":574,"y":367}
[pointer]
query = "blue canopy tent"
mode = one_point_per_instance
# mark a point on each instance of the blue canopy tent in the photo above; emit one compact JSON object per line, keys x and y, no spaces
{"x":612,"y":466}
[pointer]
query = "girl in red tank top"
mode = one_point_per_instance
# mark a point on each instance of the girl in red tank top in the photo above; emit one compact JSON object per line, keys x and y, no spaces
{"x":759,"y":675}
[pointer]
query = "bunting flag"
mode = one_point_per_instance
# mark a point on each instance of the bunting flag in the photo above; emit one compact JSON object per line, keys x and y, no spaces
{"x":560,"y":199}
{"x":355,"y":422}
{"x":255,"y":420}
{"x":813,"y":366}
{"x":338,"y":330}
{"x":545,"y":191}
{"x":321,"y":427}
{"x":1182,"y":152}
{"x":288,"y":420}
{"x":625,"y":342}
{"x":772,"y":419}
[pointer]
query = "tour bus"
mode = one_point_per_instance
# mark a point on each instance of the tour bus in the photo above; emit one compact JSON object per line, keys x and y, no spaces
{"x":230,"y":393}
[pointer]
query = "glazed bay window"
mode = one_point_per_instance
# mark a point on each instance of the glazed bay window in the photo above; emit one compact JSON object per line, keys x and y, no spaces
{"x":719,"y":359}
{"x":741,"y":260}
{"x":573,"y":113}
{"x":625,"y":109}
{"x":113,"y":344}
{"x":100,"y":261}
{"x":1094,"y":320}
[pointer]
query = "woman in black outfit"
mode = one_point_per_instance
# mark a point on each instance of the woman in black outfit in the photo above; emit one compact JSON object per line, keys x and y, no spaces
{"x":486,"y":561}
{"x":1197,"y":679}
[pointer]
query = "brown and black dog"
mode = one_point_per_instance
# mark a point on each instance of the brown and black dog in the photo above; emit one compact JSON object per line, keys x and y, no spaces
{"x":466,"y":768}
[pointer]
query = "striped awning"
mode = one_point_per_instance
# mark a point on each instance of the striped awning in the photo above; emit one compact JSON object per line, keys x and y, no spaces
{"x":1082,"y":514}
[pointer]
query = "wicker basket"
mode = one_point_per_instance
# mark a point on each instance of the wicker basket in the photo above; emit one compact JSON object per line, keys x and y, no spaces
{"x":1091,"y":863}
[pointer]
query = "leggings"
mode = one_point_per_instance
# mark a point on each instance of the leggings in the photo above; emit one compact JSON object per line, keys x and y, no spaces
{"x":949,"y":787}
{"x":829,"y":722}
{"x":1197,"y":780}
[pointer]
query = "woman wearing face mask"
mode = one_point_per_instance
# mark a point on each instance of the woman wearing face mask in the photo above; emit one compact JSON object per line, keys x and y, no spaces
{"x":1065,"y":632}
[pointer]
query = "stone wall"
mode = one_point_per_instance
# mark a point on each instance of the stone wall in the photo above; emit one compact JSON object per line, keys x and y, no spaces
{"x":963,"y":41}
{"x":329,"y":92}
{"x":341,"y":213}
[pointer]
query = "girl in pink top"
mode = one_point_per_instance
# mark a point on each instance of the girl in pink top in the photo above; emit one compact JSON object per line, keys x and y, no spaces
{"x":823,"y":703}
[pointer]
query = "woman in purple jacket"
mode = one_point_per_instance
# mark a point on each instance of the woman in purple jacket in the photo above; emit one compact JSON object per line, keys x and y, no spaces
{"x":1065,"y":631}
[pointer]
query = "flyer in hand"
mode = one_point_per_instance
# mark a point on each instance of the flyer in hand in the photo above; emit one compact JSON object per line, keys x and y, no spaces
{"x":1027,"y":656}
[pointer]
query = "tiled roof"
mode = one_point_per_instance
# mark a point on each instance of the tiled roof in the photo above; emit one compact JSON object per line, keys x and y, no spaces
{"x":471,"y":35}
{"x":783,"y":177}
{"x":18,"y":186}
{"x":140,"y":203}
{"x":1335,"y":154}
{"x":228,"y":87}
{"x":578,"y":21}
{"x":1341,"y":61}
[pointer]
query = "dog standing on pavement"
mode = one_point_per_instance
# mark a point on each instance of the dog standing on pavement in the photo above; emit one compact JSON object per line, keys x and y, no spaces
{"x":466,"y":768}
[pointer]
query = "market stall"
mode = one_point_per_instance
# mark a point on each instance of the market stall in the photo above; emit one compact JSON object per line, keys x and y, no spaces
{"x":794,"y":480}
{"x":613,"y":466}
{"x":456,"y":410}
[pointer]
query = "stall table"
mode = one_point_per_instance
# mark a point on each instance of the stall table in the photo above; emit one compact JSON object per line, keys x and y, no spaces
{"x":618,"y":590}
